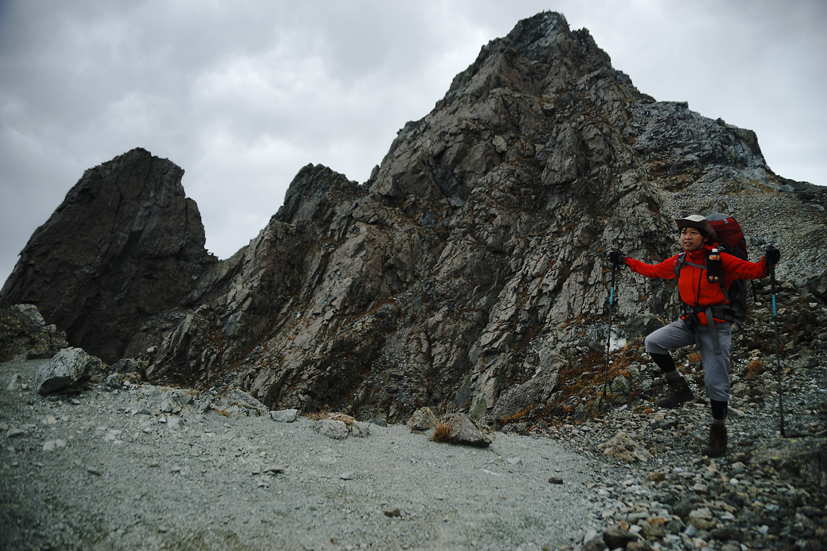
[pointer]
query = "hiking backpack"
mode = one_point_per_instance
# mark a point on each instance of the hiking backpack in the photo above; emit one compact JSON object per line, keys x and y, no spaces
{"x":731,"y":240}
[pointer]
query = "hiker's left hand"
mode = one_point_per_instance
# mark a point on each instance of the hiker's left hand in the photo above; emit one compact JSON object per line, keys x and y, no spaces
{"x":772,"y":255}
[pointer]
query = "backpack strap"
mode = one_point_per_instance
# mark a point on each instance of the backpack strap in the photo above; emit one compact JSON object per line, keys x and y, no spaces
{"x":682,"y":261}
{"x":725,"y":291}
{"x":721,"y":312}
{"x":717,"y":274}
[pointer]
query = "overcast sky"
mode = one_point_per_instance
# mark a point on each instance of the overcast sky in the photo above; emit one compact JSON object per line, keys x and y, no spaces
{"x":242,"y":94}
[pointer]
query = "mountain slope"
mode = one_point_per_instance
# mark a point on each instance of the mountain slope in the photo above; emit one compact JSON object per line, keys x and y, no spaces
{"x":470,"y":271}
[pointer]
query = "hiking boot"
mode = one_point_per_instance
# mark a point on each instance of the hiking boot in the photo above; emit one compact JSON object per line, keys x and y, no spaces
{"x":717,"y":441}
{"x":679,"y":392}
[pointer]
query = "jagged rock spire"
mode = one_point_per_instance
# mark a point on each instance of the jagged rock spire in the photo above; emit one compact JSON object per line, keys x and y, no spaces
{"x":124,"y":244}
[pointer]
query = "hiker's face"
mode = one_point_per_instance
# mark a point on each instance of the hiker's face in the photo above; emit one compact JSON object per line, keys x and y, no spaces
{"x":691,"y":239}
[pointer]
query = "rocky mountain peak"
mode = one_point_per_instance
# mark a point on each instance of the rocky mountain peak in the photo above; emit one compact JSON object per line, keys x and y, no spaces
{"x":539,"y":56}
{"x":469,"y":273}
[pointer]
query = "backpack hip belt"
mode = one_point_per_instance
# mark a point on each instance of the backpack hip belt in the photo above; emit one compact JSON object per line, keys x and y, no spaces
{"x":711,"y":313}
{"x":721,"y":312}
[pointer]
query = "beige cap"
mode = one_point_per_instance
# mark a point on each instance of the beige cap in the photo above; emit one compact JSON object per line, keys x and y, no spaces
{"x":699,"y":222}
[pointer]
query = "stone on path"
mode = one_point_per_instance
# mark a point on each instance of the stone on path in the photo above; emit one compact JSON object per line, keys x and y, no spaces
{"x":284,"y":415}
{"x":336,"y":430}
{"x":65,"y":369}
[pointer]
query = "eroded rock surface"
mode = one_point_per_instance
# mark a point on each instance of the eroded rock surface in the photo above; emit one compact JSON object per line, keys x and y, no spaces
{"x":469,"y":273}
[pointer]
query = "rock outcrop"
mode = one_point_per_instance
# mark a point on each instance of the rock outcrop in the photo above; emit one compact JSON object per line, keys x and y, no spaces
{"x":467,"y":274}
{"x":23,"y":330}
{"x":125,"y":244}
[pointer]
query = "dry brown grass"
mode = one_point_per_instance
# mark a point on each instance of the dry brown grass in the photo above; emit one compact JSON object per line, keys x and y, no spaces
{"x":346,"y":419}
{"x":318,"y":415}
{"x":517,"y":416}
{"x":442,"y":433}
{"x":755,"y":368}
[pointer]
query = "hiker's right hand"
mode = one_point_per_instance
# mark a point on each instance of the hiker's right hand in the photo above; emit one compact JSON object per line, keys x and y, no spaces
{"x":617,"y":257}
{"x":772,"y":255}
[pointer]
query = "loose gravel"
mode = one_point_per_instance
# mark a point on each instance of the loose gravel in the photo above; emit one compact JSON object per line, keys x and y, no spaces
{"x":110,"y":470}
{"x":149,"y":467}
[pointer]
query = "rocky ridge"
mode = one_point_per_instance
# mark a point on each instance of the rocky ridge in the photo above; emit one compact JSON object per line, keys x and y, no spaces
{"x":468,"y":274}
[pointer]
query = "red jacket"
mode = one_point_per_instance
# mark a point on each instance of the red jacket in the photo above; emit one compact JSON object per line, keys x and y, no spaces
{"x":694,"y":288}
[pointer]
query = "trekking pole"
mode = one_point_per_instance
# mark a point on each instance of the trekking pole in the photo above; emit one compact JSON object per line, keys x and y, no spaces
{"x":777,"y":350}
{"x":609,"y":337}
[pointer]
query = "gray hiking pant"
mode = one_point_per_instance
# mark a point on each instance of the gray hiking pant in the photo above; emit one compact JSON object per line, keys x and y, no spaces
{"x":716,"y":366}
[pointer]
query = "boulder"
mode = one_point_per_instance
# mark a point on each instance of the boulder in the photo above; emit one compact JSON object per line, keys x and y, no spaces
{"x":114,"y":381}
{"x":336,"y":430}
{"x":360,"y":429}
{"x":241,"y":399}
{"x":625,"y":448}
{"x":463,"y":431}
{"x":284,"y":415}
{"x":422,"y":419}
{"x":65,"y":369}
{"x":170,"y":403}
{"x":616,"y":537}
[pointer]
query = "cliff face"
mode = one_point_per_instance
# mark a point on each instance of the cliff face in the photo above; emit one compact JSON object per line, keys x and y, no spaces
{"x":471,"y":268}
{"x":125,"y":244}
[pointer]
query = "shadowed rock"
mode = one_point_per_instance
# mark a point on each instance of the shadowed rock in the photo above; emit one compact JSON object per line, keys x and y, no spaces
{"x":463,"y":431}
{"x":126,"y":243}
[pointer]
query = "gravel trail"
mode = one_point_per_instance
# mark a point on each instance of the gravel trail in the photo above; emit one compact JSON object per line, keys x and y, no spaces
{"x":148,"y":467}
{"x":108,"y":470}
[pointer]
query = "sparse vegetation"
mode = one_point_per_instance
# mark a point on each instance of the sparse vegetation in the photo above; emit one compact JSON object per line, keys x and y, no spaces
{"x":442,"y":432}
{"x":755,"y":368}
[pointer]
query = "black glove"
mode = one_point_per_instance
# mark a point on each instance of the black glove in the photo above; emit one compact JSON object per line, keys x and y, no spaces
{"x":772,"y":255}
{"x":617,"y":257}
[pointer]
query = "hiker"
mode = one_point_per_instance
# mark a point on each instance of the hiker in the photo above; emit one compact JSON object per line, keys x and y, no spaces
{"x":702,"y":299}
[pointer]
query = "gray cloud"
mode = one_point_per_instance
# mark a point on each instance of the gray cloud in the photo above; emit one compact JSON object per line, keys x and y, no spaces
{"x":243,"y":94}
